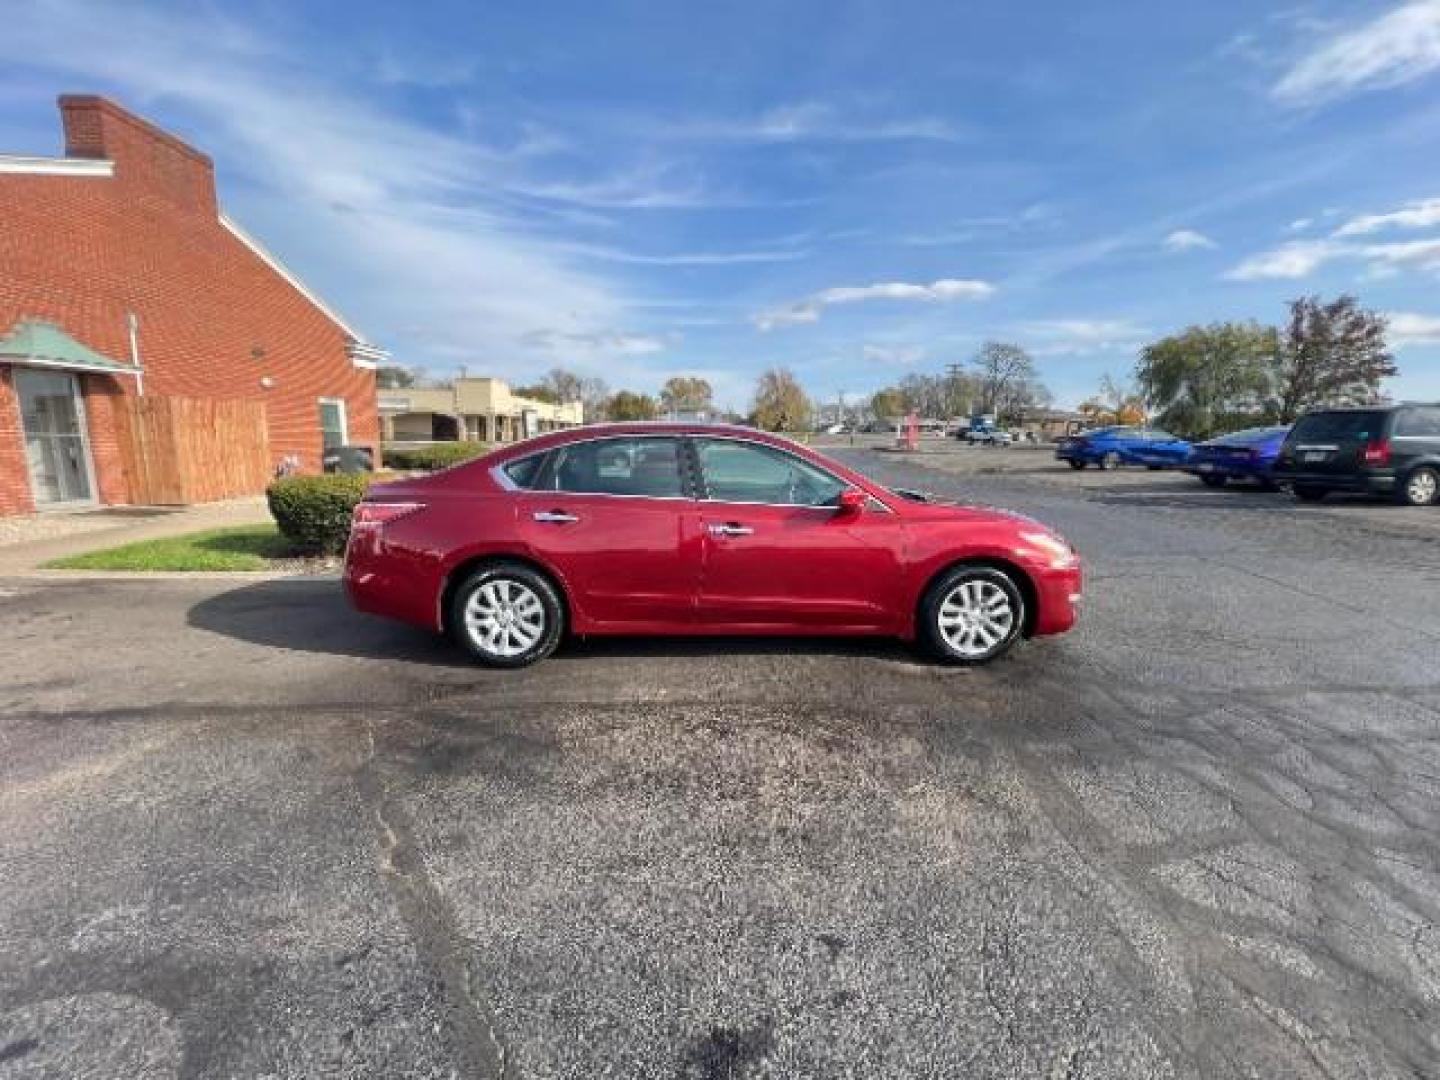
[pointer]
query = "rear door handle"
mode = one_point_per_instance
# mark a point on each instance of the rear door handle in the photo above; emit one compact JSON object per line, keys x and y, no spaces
{"x":730,"y":528}
{"x":555,"y":517}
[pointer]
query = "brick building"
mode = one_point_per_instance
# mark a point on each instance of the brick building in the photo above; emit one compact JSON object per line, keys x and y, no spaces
{"x":143,"y":332}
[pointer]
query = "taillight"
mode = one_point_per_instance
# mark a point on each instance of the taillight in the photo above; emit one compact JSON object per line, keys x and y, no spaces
{"x":1376,"y":452}
{"x":373,"y":516}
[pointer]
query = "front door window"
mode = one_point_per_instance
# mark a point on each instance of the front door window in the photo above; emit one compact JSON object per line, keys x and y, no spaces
{"x":55,"y":443}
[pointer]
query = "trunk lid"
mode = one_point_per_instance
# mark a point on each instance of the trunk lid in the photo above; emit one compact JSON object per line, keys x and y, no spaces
{"x":1333,"y":442}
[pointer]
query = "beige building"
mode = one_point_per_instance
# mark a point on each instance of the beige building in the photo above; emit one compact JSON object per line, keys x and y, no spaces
{"x":470,"y":410}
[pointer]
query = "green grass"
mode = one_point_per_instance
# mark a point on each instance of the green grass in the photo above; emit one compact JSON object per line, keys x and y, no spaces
{"x":244,"y":547}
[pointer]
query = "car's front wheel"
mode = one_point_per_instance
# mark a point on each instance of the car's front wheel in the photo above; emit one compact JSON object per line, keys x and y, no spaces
{"x":1074,"y":464}
{"x":971,"y":615}
{"x":507,"y":615}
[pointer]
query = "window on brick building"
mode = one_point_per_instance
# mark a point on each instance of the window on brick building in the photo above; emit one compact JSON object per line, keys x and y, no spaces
{"x":332,"y":423}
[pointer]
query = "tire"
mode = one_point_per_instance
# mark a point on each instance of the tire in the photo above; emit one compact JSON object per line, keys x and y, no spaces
{"x":1421,"y":487}
{"x":1309,"y":494}
{"x":1211,"y":480}
{"x":1076,"y":464}
{"x":507,"y":615}
{"x":971,"y":615}
{"x":1155,"y":468}
{"x":1110,"y":461}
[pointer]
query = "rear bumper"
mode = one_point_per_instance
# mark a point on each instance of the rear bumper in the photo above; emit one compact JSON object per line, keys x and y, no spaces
{"x":1232,"y":470}
{"x":1376,"y":483}
{"x":1059,"y":593}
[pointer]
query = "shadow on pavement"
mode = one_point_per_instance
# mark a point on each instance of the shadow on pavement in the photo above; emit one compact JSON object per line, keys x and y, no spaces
{"x":312,"y":615}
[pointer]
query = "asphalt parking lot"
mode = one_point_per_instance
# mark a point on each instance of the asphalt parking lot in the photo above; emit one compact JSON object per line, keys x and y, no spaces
{"x":248,"y":833}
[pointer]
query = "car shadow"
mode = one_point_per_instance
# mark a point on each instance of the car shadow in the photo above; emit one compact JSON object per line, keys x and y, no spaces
{"x":311,"y":614}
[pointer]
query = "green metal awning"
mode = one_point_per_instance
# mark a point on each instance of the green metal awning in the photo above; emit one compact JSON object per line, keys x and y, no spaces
{"x":37,"y":343}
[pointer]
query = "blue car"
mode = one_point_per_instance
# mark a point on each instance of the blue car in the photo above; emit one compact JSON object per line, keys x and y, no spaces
{"x":1111,"y":447}
{"x":1241,"y":455}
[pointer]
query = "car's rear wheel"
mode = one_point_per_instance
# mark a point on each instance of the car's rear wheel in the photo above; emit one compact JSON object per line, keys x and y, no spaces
{"x":507,"y":615}
{"x":1421,"y":487}
{"x":1211,"y":480}
{"x":1305,"y":493}
{"x":1076,"y":464}
{"x":1110,"y":461}
{"x":971,"y":615}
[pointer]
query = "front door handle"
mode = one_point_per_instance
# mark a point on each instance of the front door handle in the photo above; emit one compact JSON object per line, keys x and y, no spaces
{"x":555,"y":517}
{"x":730,"y":528}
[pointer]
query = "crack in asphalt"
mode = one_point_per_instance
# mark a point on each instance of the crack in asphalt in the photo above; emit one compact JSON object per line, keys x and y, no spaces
{"x":433,"y":928}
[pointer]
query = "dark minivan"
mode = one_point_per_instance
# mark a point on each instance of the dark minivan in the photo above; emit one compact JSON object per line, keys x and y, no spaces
{"x":1389,"y":450}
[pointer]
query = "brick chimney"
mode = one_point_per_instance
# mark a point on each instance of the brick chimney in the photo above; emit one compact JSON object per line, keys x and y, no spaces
{"x":144,"y":155}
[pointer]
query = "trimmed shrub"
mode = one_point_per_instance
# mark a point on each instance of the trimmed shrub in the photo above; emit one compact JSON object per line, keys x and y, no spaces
{"x":434,"y":456}
{"x":313,"y":512}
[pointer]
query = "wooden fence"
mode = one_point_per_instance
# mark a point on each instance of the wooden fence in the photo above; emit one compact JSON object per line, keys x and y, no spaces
{"x":185,"y":450}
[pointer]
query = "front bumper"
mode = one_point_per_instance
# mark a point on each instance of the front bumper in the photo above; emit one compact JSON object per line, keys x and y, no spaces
{"x":1059,"y":592}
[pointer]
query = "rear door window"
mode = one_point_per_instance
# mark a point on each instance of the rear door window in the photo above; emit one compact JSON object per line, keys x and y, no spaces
{"x":526,"y":472}
{"x":1339,"y":427}
{"x":646,"y":466}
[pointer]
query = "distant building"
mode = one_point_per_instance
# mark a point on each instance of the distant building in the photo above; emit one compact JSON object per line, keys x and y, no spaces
{"x":470,"y":410}
{"x":150,"y":350}
{"x":1047,"y":425}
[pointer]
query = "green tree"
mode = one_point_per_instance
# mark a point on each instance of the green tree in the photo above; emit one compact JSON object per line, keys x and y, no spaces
{"x":781,"y":404}
{"x":394,"y":377}
{"x":538,"y":392}
{"x":686,"y":394}
{"x":887,"y":404}
{"x":1329,"y":354}
{"x":1208,"y":377}
{"x":628,"y":405}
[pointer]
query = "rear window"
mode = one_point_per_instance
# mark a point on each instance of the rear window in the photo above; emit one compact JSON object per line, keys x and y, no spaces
{"x":1339,"y":427}
{"x":1248,"y":436}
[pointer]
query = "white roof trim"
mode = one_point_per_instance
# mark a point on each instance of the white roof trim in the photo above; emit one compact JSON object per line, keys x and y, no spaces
{"x":42,"y":166}
{"x":280,"y":268}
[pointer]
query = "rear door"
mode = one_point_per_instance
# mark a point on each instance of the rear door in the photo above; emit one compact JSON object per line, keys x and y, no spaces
{"x":615,"y":518}
{"x":776,"y":551}
{"x":1333,"y":443}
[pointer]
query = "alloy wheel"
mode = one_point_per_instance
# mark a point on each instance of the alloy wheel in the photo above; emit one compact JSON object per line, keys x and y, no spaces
{"x":975,"y":618}
{"x":1422,"y":487}
{"x":504,"y":617}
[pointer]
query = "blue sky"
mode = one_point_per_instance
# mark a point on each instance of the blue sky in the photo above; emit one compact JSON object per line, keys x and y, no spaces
{"x":853,"y":190}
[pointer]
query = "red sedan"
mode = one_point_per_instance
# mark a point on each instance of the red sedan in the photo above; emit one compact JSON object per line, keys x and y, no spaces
{"x":697,"y":529}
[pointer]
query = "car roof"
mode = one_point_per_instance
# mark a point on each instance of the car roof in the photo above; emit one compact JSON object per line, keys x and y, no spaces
{"x":641,"y":427}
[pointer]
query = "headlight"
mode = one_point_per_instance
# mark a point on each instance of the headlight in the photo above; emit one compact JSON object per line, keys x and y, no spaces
{"x":1061,"y":554}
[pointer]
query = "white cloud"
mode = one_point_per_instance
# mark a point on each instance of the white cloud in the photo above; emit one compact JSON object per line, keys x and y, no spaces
{"x":1396,"y":48}
{"x":1296,"y":259}
{"x":808,"y":121}
{"x":681,"y":258}
{"x":1300,"y":258}
{"x":1188,"y":240}
{"x":1059,"y":337}
{"x":602,"y":343}
{"x":1420,"y":214}
{"x":1412,"y":328}
{"x":900,"y":355}
{"x":809,"y":309}
{"x":1301,"y":224}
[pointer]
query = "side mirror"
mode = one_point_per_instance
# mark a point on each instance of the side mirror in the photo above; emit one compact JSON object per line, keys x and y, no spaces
{"x":852,"y":501}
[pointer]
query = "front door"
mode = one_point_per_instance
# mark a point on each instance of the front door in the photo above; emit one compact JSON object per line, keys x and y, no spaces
{"x":55,"y":444}
{"x":778,"y":554}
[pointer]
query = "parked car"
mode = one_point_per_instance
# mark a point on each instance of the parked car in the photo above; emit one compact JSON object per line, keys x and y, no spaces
{"x":696,"y":529}
{"x":985,"y":437}
{"x":1391,"y":450}
{"x":1111,"y":447}
{"x":1241,"y":455}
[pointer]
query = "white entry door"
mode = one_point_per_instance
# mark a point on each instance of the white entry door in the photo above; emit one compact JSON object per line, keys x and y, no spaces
{"x":53,"y":415}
